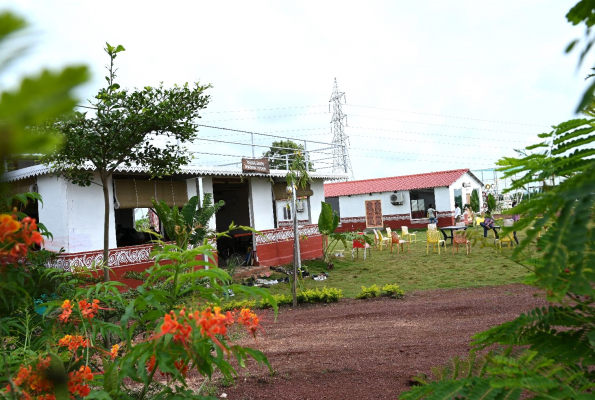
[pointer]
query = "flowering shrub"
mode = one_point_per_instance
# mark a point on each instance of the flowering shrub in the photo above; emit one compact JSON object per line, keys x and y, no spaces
{"x":95,"y":340}
{"x":16,"y":237}
{"x":368,"y":292}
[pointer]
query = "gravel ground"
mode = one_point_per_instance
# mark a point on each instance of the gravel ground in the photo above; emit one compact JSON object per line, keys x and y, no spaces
{"x":369,"y":349}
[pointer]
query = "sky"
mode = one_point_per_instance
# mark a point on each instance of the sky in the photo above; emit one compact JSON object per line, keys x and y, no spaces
{"x":429,"y":85}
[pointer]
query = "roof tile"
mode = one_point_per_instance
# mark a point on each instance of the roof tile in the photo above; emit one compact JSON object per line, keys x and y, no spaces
{"x":407,"y":182}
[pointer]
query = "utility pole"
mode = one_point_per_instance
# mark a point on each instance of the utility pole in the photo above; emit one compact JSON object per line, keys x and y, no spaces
{"x":341,"y":162}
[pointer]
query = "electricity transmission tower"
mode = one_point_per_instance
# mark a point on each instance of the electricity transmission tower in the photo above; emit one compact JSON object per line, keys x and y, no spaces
{"x":341,"y":162}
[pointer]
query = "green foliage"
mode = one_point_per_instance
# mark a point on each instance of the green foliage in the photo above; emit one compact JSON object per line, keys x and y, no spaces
{"x":556,"y":343}
{"x":279,"y":149}
{"x":393,"y":291}
{"x":328,"y":221}
{"x":190,"y":225}
{"x":474,"y":201}
{"x":281,"y":299}
{"x":141,"y":224}
{"x":492,"y":204}
{"x":369,"y":292}
{"x":324,"y":295}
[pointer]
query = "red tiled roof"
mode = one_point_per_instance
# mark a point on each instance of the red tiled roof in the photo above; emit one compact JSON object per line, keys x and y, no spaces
{"x":407,"y":182}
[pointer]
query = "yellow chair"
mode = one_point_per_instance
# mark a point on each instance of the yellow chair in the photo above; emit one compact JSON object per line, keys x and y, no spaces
{"x":478,"y":220}
{"x":508,"y":238}
{"x":381,"y":240}
{"x":405,"y":232}
{"x":434,"y":239}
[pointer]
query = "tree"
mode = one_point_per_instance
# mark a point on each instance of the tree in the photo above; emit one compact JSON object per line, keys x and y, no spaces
{"x":491,"y":203}
{"x":121,"y":130}
{"x":282,"y":148}
{"x":474,"y":200}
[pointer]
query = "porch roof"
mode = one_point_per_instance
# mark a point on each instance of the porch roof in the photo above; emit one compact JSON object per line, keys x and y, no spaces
{"x":38,"y":170}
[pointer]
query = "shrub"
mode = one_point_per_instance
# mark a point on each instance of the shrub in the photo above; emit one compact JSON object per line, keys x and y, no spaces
{"x":237,"y":305}
{"x":324,"y":295}
{"x":279,"y":298}
{"x":393,"y":291}
{"x":366,"y":293}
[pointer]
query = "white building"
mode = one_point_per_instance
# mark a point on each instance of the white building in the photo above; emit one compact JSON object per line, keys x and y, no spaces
{"x":401,"y":200}
{"x":75,"y":215}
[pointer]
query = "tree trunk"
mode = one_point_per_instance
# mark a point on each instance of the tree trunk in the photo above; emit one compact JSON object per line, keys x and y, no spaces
{"x":105,"y":227}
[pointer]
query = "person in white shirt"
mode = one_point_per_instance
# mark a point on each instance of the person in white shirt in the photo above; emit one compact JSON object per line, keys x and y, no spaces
{"x":457,"y":213}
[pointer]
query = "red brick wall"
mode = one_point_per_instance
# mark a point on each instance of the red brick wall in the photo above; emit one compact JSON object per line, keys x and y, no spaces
{"x":279,"y":253}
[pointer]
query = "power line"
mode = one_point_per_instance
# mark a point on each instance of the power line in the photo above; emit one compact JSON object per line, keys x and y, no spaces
{"x":448,"y":126}
{"x":261,"y":134}
{"x":261,"y":109}
{"x":406,"y":159}
{"x":427,"y":141}
{"x":433,"y":134}
{"x":269,"y":116}
{"x":448,"y":116}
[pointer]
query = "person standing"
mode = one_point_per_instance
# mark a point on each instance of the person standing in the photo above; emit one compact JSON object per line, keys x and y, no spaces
{"x":515,"y":218}
{"x":457,"y":213}
{"x":432,"y":215}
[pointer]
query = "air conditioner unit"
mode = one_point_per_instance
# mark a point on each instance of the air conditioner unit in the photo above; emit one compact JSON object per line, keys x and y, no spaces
{"x":396,"y":199}
{"x":466,"y":184}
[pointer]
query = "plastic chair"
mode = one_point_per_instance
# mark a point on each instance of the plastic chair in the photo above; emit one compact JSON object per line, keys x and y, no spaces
{"x":389,"y":232}
{"x":478,"y":220}
{"x":405,"y":232}
{"x":434,"y":239}
{"x":508,"y":238}
{"x":360,"y":244}
{"x":460,"y":237}
{"x":399,"y":242}
{"x":383,"y":240}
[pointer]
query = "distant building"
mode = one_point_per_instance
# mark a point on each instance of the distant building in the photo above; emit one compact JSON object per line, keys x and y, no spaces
{"x":401,"y":200}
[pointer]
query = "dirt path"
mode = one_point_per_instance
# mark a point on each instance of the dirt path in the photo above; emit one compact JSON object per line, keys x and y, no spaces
{"x":369,"y":349}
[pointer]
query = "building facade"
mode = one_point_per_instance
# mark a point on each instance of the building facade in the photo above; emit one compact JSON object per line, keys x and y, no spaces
{"x":75,"y":215}
{"x":401,"y":200}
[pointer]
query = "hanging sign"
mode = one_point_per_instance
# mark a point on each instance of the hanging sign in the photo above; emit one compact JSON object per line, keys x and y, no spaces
{"x":255,"y":165}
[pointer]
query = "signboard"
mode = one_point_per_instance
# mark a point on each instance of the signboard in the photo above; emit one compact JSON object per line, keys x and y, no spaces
{"x":255,"y":165}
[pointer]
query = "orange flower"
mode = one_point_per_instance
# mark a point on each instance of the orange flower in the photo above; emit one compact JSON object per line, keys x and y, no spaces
{"x":33,"y":382}
{"x":16,"y":237}
{"x":214,"y":323}
{"x":181,"y":331}
{"x":73,"y":342}
{"x":182,"y":367}
{"x":151,"y":364}
{"x":250,"y":320}
{"x":67,"y":307}
{"x":114,"y":352}
{"x":8,"y":226}
{"x":77,"y":384}
{"x":89,"y":310}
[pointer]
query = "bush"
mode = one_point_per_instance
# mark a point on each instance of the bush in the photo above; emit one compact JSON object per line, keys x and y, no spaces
{"x":366,"y":293}
{"x":324,"y":295}
{"x":281,"y":299}
{"x":393,"y":291}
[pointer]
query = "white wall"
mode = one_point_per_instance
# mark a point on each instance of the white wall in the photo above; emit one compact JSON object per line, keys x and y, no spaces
{"x":205,"y":185}
{"x":191,"y":188}
{"x":314,"y":206}
{"x":54,"y":213}
{"x":458,"y":184}
{"x":355,"y":206}
{"x":85,"y":216}
{"x":444,"y":199}
{"x":261,"y":204}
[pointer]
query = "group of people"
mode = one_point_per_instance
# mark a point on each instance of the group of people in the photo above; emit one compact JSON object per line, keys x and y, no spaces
{"x":488,"y":224}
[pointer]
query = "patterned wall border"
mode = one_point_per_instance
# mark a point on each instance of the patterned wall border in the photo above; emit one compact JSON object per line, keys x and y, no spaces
{"x":121,"y":257}
{"x":445,"y":214}
{"x":289,"y":224}
{"x":285,"y":234}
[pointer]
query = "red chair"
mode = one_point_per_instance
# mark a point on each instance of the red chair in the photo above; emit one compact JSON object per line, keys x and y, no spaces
{"x":460,"y":237}
{"x":360,"y":244}
{"x":399,"y":242}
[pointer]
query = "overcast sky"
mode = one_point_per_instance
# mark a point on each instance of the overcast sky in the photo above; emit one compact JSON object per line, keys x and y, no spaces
{"x":430,"y":85}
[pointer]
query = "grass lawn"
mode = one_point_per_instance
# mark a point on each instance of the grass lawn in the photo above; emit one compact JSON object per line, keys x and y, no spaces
{"x":414,"y":270}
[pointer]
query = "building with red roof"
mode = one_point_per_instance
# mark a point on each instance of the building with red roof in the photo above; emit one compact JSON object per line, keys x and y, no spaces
{"x":401,"y":200}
